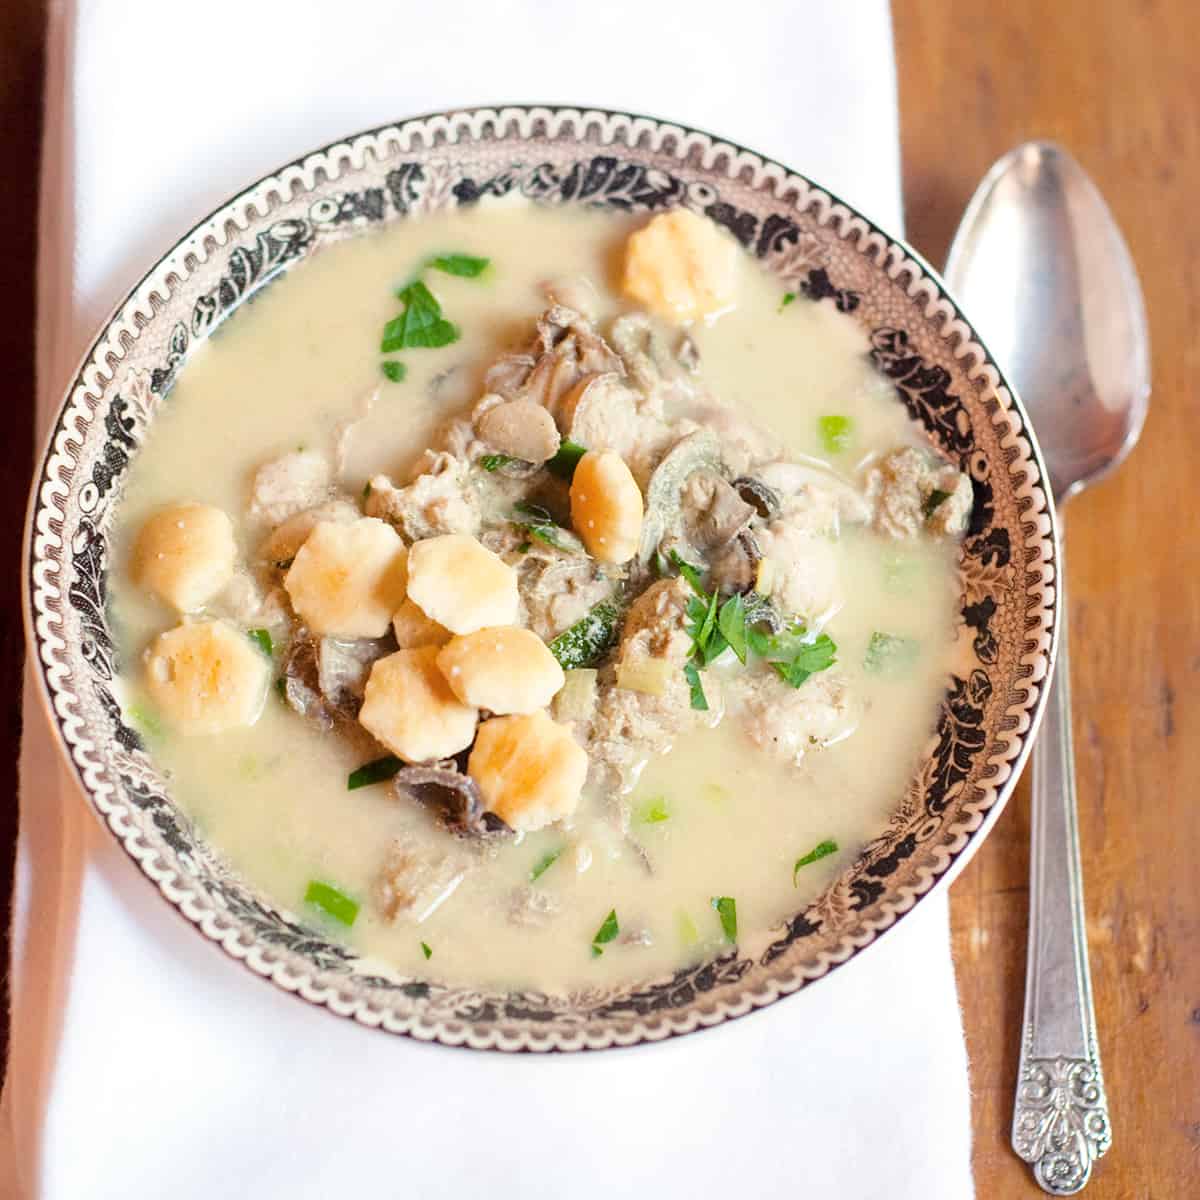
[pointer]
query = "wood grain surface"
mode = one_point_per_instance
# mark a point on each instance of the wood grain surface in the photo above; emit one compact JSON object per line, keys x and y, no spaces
{"x":1119,"y":84}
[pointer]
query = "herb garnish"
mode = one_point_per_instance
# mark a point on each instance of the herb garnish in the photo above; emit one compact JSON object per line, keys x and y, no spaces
{"x":819,"y":851}
{"x":566,"y":459}
{"x":493,"y":462}
{"x":692,"y":674}
{"x":792,"y":653}
{"x":653,"y":811}
{"x":421,"y":324}
{"x":788,"y":297}
{"x":605,"y":933}
{"x":726,"y":907}
{"x":835,"y":432}
{"x":707,"y":639}
{"x":425,"y":950}
{"x":331,"y":901}
{"x":544,"y":864}
{"x":366,"y":493}
{"x":714,"y":626}
{"x":262,"y":639}
{"x":888,"y":654}
{"x":467,"y":266}
{"x":689,"y":572}
{"x":377,"y":771}
{"x":934,"y":501}
{"x":393,"y":370}
{"x":732,"y":623}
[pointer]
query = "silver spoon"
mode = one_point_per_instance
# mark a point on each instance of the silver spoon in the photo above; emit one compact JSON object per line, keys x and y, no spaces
{"x":1040,"y":266}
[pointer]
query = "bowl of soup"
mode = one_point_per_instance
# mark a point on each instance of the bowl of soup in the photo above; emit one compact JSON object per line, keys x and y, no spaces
{"x":542,"y":579}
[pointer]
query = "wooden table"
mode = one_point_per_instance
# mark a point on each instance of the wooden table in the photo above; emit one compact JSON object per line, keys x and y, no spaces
{"x":1118,"y":83}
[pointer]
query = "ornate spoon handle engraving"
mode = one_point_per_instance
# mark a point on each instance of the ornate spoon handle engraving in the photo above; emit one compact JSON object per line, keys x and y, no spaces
{"x":1060,"y":1119}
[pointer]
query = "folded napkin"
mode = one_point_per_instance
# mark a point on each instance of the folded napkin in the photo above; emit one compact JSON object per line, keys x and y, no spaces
{"x":144,"y":1063}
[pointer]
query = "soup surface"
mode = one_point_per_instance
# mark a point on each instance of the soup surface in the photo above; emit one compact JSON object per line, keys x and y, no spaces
{"x":783,"y":511}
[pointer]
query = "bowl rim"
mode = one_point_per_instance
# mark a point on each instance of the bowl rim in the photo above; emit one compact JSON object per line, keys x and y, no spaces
{"x":1051,"y":604}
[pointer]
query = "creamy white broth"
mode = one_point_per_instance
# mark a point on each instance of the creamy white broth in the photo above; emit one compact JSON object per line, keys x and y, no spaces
{"x":289,"y":370}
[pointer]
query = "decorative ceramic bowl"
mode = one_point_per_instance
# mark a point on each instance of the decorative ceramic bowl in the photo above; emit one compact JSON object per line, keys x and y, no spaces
{"x":820,"y":248}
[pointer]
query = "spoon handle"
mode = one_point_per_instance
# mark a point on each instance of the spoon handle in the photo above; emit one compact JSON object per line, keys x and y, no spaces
{"x":1060,"y":1119}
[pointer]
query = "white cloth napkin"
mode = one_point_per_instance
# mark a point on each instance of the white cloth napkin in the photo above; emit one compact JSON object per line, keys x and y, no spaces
{"x":144,"y":1063}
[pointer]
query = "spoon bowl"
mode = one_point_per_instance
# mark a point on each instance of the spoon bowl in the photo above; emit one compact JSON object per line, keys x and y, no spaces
{"x":1041,"y":265}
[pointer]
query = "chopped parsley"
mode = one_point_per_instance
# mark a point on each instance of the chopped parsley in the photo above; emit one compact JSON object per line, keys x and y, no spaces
{"x":713,"y":626}
{"x":792,"y":653}
{"x":690,"y":573}
{"x":544,"y":864}
{"x":566,"y":459}
{"x":331,"y":901}
{"x":493,"y":462}
{"x":788,"y":298}
{"x":605,"y":933}
{"x":726,"y":907}
{"x":888,"y":654}
{"x":731,"y":621}
{"x":395,"y":371}
{"x":421,"y":324}
{"x":425,"y":950}
{"x":653,"y":812}
{"x":934,"y":501}
{"x":819,"y":851}
{"x":377,"y":771}
{"x":466,"y":266}
{"x":367,"y":490}
{"x":835,"y":431}
{"x":707,"y":640}
{"x":262,"y":639}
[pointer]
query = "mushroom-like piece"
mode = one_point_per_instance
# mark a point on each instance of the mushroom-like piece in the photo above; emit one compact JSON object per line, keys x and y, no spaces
{"x":520,"y":429}
{"x":843,"y":500}
{"x":507,"y":375}
{"x":764,"y":499}
{"x":455,"y":798}
{"x":343,"y":667}
{"x":324,"y":678}
{"x":717,"y":514}
{"x":600,"y":412}
{"x":691,"y":453}
{"x":734,"y":567}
